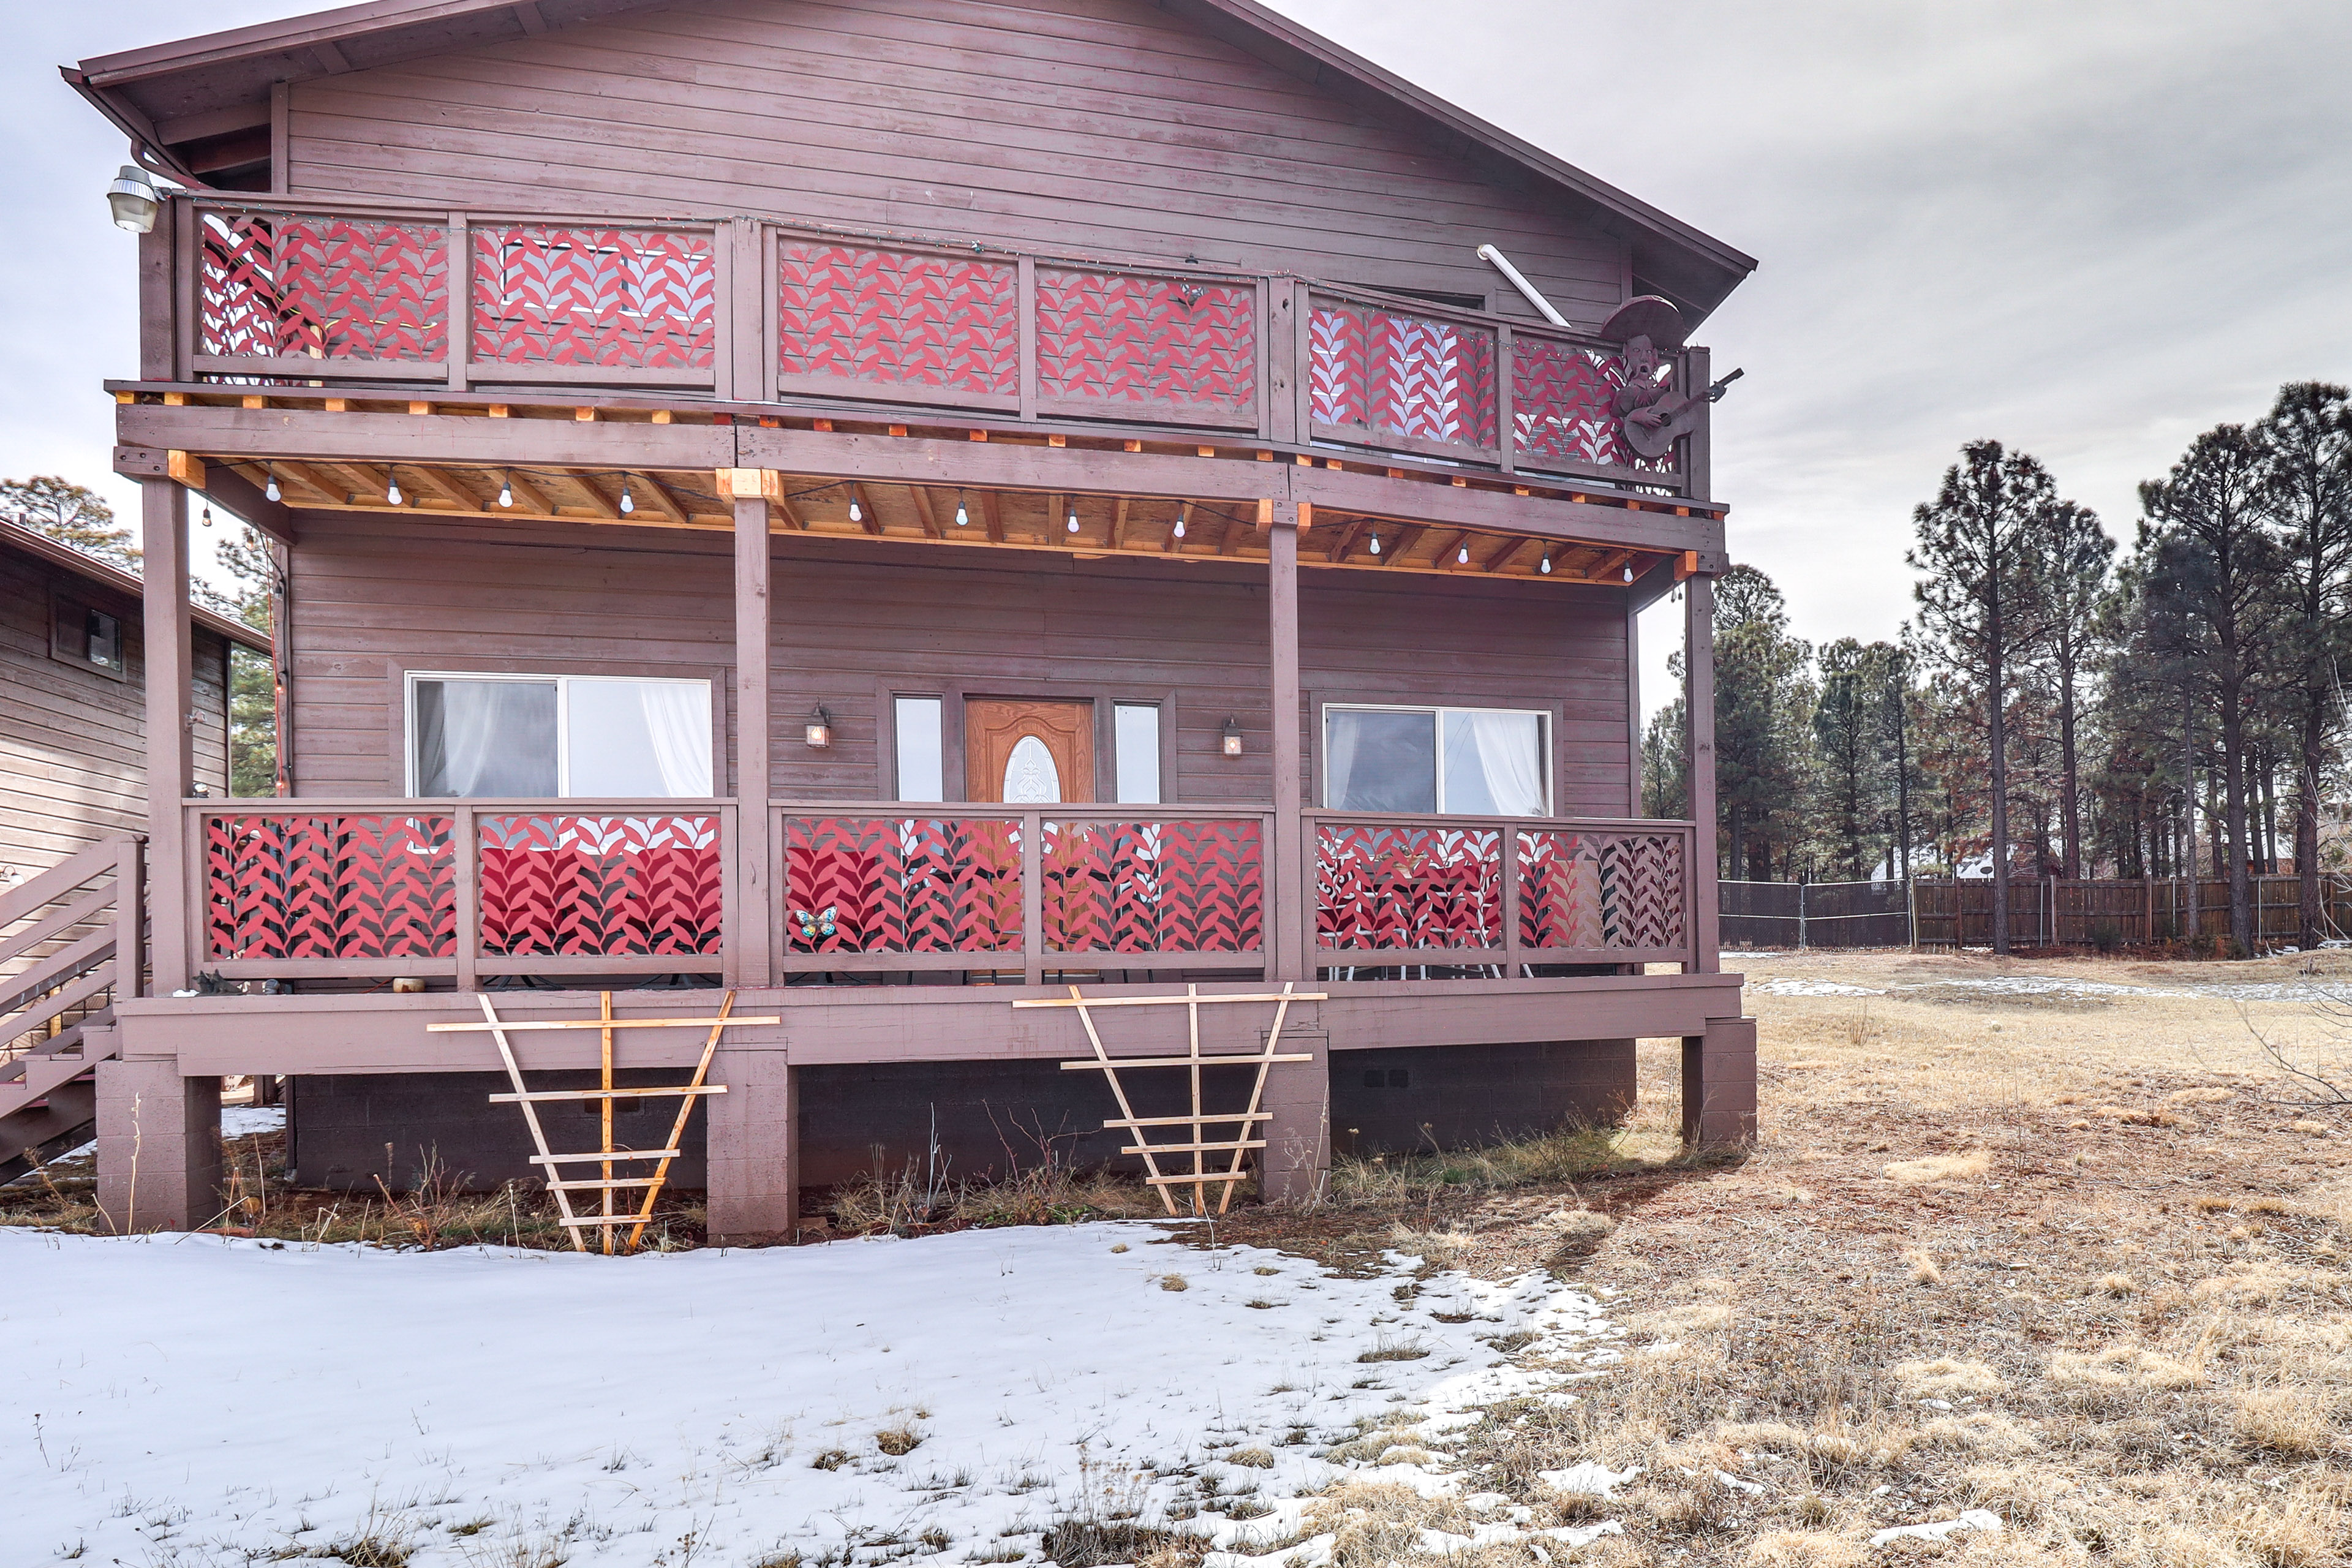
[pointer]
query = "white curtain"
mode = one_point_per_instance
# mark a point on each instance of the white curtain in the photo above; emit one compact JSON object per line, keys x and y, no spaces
{"x":494,"y":737}
{"x":678,"y":718}
{"x":1494,"y":764}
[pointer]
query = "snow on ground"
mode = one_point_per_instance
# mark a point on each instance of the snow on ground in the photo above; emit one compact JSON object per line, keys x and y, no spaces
{"x":2060,"y":985}
{"x":244,"y":1121}
{"x":184,"y":1401}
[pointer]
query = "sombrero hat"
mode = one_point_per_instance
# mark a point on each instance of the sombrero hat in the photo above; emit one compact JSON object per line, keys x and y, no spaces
{"x":1645,"y":316}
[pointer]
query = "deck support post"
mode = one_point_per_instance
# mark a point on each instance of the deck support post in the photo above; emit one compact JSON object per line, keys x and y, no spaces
{"x":748,"y":944}
{"x":751,"y":1142}
{"x":1719,"y":1085}
{"x":159,"y":1152}
{"x":168,"y":654}
{"x":1698,"y":678}
{"x":1297,"y":1156}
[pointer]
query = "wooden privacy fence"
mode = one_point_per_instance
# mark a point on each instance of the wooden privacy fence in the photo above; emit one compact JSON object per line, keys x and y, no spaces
{"x":289,"y":290}
{"x":2058,"y":911}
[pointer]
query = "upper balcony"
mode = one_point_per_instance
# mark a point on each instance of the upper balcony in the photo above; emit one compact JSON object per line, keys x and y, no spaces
{"x":399,"y":300}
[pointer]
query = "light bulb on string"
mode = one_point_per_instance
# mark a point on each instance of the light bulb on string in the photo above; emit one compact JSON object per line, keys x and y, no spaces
{"x":391,"y":487}
{"x":1629,"y":574}
{"x":1546,"y":567}
{"x":1461,"y":556}
{"x":856,"y":512}
{"x":963,"y":518}
{"x":628,"y":501}
{"x":506,"y":490}
{"x":1074,"y":520}
{"x":272,"y":492}
{"x":208,"y":514}
{"x":1180,"y":525}
{"x":1376,"y":544}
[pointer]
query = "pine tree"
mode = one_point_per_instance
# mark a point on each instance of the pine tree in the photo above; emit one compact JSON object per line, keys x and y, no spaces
{"x":1763,"y":721}
{"x":1850,"y":743}
{"x":1978,"y":606}
{"x":252,"y":683}
{"x":2072,"y":569}
{"x":70,"y":514}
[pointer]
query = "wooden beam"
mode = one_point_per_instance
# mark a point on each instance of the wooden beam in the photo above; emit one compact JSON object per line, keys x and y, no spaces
{"x":662,"y":500}
{"x":164,"y":544}
{"x":527,"y":495}
{"x":1229,"y":537}
{"x":922,"y":496}
{"x":992,"y":516}
{"x":1286,"y":937}
{"x":1118,"y":524}
{"x":867,"y":517}
{"x":1503,"y":557}
{"x":1343,"y":540}
{"x":747,"y":959}
{"x":1407,"y":537}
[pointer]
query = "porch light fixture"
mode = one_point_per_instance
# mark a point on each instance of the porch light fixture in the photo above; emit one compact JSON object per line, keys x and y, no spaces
{"x":628,"y":501}
{"x":134,"y":200}
{"x":506,"y":490}
{"x":392,"y":486}
{"x":271,"y":493}
{"x":1231,"y":733}
{"x":819,"y":732}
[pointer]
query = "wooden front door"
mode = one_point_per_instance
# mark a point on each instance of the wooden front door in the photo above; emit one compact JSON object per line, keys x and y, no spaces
{"x":1029,"y":753}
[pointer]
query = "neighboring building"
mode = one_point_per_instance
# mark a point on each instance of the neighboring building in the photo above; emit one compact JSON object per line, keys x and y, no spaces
{"x":73,"y":773}
{"x":888,"y":507}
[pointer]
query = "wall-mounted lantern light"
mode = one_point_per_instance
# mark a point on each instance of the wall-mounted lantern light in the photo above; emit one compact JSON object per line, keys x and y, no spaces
{"x":819,"y":728}
{"x":135,"y":200}
{"x":1233,"y":738}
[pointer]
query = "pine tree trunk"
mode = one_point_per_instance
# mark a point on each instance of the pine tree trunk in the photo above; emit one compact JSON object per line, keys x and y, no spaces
{"x":2070,"y":810}
{"x":2000,"y":816}
{"x":2233,"y":821}
{"x":2306,"y":824}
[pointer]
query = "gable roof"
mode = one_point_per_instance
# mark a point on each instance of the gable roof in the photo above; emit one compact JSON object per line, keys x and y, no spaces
{"x":20,"y":540}
{"x":199,"y":92}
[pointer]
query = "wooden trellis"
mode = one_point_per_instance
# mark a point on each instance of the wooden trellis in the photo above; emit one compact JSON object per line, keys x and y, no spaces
{"x":607,"y":1217}
{"x":1246,"y":1122}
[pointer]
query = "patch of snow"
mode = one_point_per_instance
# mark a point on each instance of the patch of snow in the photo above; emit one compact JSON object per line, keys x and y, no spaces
{"x":1982,"y":1519}
{"x":197,"y":1400}
{"x":1589,"y":1475}
{"x":244,"y":1121}
{"x":1753,"y":1488}
{"x":1790,"y":987}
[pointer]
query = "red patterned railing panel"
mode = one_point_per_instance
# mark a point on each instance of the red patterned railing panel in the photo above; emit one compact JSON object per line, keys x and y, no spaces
{"x":1408,"y":887}
{"x":1563,"y":406}
{"x":600,"y":886}
{"x":1154,"y":887}
{"x":1601,"y":888}
{"x":644,"y":299}
{"x":330,"y":886}
{"x":1390,"y":374}
{"x":899,"y":318}
{"x":1115,"y":337}
{"x":323,"y":288}
{"x":902,"y":884}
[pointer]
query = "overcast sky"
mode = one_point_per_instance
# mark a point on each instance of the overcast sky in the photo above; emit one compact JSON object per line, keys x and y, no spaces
{"x":2090,"y":229}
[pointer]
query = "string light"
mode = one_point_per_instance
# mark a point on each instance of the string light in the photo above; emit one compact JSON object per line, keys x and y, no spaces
{"x":272,"y":492}
{"x":391,"y":487}
{"x":1180,"y":525}
{"x":208,"y":514}
{"x":1546,"y":567}
{"x":1376,"y":544}
{"x":1462,"y":557}
{"x":1629,"y":574}
{"x":628,"y":501}
{"x":506,"y":490}
{"x":1073,"y":518}
{"x":856,"y":512}
{"x":963,"y":518}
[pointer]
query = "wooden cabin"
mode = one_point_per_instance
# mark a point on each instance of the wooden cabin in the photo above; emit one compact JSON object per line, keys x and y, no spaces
{"x":896,"y":510}
{"x":73,"y":786}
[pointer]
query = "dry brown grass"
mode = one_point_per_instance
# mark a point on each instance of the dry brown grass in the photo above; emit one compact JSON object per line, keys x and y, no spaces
{"x":1967,"y":1267}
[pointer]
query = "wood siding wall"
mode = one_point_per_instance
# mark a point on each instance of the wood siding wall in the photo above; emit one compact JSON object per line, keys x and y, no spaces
{"x":854,"y":623}
{"x":1096,"y":126}
{"x":73,"y":763}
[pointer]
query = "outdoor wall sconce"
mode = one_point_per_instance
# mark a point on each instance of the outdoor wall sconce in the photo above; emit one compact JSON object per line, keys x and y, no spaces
{"x":1233,"y":738}
{"x":133,"y":199}
{"x":819,"y":728}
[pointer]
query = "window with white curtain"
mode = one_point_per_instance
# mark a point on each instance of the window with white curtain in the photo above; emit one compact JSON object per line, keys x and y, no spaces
{"x":1473,"y":762}
{"x":558,"y":737}
{"x":1135,"y":741}
{"x":922,"y":762}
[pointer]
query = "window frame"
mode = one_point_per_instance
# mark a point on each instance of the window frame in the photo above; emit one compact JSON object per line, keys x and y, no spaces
{"x":954,"y":694}
{"x":558,"y":680}
{"x":1547,"y":722}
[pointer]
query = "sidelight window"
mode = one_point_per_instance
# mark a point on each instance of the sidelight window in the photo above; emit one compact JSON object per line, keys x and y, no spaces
{"x":1135,"y":743}
{"x":921,"y":755}
{"x":1473,"y":762}
{"x":558,"y":737}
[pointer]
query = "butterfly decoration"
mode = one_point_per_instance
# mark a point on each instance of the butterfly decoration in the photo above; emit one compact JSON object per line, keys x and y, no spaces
{"x":817,"y":925}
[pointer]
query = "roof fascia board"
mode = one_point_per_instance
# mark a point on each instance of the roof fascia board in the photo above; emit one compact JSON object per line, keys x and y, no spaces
{"x":271,"y":38}
{"x":65,"y":557}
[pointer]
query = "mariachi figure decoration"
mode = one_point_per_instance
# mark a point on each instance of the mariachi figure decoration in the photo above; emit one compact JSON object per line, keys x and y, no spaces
{"x":1655,"y":415}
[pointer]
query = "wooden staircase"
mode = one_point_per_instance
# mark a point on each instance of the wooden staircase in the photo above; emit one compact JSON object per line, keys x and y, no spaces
{"x":69,"y":944}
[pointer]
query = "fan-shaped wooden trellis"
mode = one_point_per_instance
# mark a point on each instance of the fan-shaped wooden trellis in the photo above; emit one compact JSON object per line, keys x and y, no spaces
{"x":607,"y":1217}
{"x":1245,"y":1121}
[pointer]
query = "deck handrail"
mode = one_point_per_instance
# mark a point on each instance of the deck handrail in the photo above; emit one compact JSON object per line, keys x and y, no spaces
{"x":755,"y":308}
{"x":76,"y":945}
